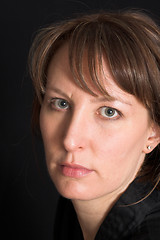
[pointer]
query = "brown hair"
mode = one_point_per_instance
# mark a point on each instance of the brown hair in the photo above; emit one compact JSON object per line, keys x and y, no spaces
{"x":130,"y":41}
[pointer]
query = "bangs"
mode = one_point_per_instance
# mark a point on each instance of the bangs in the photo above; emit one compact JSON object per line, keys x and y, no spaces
{"x":86,"y":54}
{"x":123,"y":53}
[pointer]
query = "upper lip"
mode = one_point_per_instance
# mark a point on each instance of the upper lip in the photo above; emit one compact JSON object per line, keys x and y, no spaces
{"x":74,"y":165}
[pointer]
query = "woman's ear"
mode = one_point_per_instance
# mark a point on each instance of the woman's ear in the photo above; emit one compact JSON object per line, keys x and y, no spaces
{"x":153,"y":138}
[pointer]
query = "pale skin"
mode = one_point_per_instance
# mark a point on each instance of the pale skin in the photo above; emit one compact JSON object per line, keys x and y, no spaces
{"x":94,"y":146}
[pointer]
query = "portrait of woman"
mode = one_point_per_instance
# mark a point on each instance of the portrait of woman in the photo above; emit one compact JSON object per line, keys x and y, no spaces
{"x":97,"y":106}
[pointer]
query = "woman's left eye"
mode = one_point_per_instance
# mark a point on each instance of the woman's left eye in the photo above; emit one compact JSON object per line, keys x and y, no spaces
{"x":59,"y":103}
{"x":108,"y":112}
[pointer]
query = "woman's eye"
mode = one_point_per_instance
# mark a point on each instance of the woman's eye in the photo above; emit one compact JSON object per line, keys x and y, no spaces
{"x":108,"y":112}
{"x":59,"y":103}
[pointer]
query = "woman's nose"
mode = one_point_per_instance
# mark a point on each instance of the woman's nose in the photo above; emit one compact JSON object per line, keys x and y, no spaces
{"x":76,"y":136}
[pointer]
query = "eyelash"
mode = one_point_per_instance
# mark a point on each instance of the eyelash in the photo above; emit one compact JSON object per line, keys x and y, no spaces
{"x":54,"y":104}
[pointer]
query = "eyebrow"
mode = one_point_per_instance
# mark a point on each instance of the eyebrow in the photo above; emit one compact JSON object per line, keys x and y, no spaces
{"x":111,"y":99}
{"x":57,"y":90}
{"x":97,"y":99}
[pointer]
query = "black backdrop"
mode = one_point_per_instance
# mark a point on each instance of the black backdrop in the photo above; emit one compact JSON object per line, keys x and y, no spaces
{"x":27,"y":196}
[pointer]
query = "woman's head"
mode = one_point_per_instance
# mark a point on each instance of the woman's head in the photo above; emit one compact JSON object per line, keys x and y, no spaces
{"x":127,"y":43}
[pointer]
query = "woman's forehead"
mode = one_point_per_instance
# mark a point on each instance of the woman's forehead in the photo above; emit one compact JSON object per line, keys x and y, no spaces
{"x":93,"y":78}
{"x":60,"y":75}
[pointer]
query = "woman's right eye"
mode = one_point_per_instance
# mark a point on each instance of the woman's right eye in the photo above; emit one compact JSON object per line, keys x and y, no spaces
{"x":59,"y":104}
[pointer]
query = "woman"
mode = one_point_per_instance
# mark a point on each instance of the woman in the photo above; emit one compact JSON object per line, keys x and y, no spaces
{"x":97,"y":103}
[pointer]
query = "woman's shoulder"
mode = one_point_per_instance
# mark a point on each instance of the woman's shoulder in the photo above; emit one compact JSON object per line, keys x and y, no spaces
{"x":135,"y":216}
{"x":149,"y":229}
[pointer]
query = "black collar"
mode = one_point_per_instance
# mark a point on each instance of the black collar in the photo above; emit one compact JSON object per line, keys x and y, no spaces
{"x":123,"y":219}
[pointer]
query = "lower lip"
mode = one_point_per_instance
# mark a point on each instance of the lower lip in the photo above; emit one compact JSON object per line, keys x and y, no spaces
{"x":74,"y":172}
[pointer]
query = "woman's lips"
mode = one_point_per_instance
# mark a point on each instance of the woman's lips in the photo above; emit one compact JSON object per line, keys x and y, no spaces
{"x":74,"y":170}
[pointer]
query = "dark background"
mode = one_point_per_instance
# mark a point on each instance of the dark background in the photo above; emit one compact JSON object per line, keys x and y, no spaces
{"x":27,"y":196}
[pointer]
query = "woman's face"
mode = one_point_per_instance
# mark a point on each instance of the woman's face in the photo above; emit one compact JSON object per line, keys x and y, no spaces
{"x":94,"y":146}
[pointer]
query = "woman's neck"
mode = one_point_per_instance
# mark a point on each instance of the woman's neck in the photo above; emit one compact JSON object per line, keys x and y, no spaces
{"x":91,"y":215}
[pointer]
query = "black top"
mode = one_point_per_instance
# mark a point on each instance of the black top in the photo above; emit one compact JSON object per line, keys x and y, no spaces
{"x":140,"y":221}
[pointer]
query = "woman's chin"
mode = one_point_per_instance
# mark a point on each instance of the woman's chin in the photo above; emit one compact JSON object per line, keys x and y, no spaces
{"x":73,"y":191}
